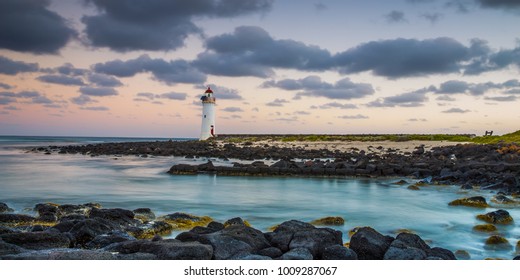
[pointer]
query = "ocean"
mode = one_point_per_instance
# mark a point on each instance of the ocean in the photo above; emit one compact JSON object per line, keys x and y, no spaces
{"x":131,"y":182}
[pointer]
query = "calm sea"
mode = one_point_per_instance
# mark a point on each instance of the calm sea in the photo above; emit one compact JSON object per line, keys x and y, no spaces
{"x":131,"y":182}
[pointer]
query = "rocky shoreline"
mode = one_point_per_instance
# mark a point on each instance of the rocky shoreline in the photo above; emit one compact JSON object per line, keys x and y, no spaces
{"x":493,"y":167}
{"x":90,"y":232}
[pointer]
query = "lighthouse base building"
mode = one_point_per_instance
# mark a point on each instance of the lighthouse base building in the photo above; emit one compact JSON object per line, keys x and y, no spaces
{"x":207,"y":129}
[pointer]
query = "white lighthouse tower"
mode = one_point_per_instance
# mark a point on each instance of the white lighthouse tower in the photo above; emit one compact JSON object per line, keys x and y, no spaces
{"x":207,"y":129}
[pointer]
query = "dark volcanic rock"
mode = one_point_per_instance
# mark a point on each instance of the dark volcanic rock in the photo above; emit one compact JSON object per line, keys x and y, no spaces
{"x":144,"y":214}
{"x":4,"y":208}
{"x":37,"y":240}
{"x":338,"y":252}
{"x":86,"y":230}
{"x":104,"y":240}
{"x":370,"y":244}
{"x":15,"y":219}
{"x":299,"y":253}
{"x":117,"y":215}
{"x":497,"y":217}
{"x":316,"y":240}
{"x":62,"y":254}
{"x":10,"y":249}
{"x":251,"y":236}
{"x":168,"y":249}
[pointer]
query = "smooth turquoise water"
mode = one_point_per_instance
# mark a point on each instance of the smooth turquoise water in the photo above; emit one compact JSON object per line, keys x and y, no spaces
{"x":132,"y":182}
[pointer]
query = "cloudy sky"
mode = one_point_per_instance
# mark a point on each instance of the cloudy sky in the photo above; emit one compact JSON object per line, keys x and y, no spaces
{"x":139,"y":67}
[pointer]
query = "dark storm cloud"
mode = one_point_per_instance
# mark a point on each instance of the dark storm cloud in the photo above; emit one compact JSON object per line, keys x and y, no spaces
{"x":12,"y":67}
{"x":5,"y":86}
{"x":169,"y":72}
{"x":494,"y":61}
{"x":395,"y":17}
{"x":314,"y":86}
{"x":251,"y":51}
{"x":98,"y":91}
{"x":404,"y":57}
{"x":69,"y":70}
{"x":409,"y":99}
{"x":501,"y":4}
{"x":158,"y":24}
{"x":28,"y":26}
{"x":104,"y":80}
{"x":222,"y":92}
{"x":61,"y":80}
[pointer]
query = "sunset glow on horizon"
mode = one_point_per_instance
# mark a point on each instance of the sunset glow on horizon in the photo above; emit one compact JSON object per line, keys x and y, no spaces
{"x":138,"y":68}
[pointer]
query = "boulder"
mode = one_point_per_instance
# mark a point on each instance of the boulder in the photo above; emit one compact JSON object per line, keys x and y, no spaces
{"x":225,"y":246}
{"x":462,"y":255}
{"x":236,"y":221}
{"x":497,"y":242}
{"x":329,"y":221}
{"x":282,"y":235}
{"x":485,"y":228}
{"x":37,"y":240}
{"x":62,"y":254}
{"x":4,"y":208}
{"x":441,"y":253}
{"x":338,"y":252}
{"x":407,"y":246}
{"x":249,"y":235}
{"x":13,"y":220}
{"x":299,"y":253}
{"x":271,"y":252}
{"x":150,"y":229}
{"x":10,"y":249}
{"x":144,"y":214}
{"x":370,"y":244}
{"x":104,"y":240}
{"x":86,"y":230}
{"x":185,"y":221}
{"x":501,"y":217}
{"x":168,"y":249}
{"x":475,"y":201}
{"x":118,"y":216}
{"x":316,"y":240}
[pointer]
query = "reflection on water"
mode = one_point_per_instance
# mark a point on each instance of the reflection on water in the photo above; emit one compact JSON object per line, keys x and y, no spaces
{"x":133,"y":182}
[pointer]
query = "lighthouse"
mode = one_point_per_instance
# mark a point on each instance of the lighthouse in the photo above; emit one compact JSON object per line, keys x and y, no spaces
{"x":207,"y":128}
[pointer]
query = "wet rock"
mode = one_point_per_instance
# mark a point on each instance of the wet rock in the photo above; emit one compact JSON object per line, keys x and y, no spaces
{"x":67,"y":209}
{"x":500,"y":217}
{"x":62,"y":254}
{"x":462,"y":255}
{"x":329,"y":221}
{"x":43,"y":208}
{"x":250,"y":257}
{"x":37,"y":240}
{"x":150,"y":230}
{"x":370,"y":244}
{"x":216,"y":226}
{"x":119,"y":216}
{"x":86,"y":230}
{"x":485,"y":228}
{"x":10,"y":249}
{"x":236,"y":221}
{"x":475,"y":201}
{"x":251,"y":236}
{"x":281,"y":237}
{"x":338,"y":252}
{"x":271,"y":252}
{"x":407,"y":246}
{"x":225,"y":246}
{"x":497,"y":242}
{"x":4,"y":230}
{"x":4,"y":208}
{"x":440,"y":253}
{"x":13,"y":220}
{"x":104,"y":240}
{"x":316,"y":240}
{"x":299,"y":253}
{"x":168,"y":249}
{"x":502,"y":199}
{"x":185,"y":221}
{"x":144,"y":214}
